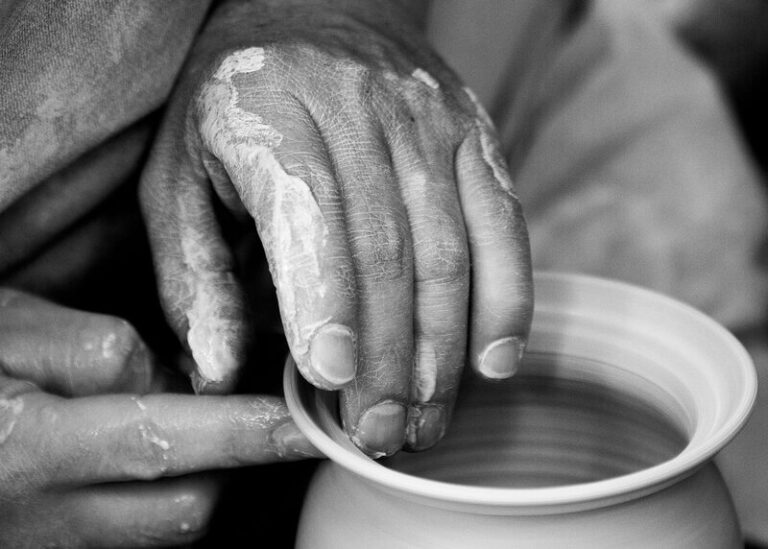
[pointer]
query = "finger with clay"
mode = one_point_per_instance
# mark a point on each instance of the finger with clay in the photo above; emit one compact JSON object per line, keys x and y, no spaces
{"x":83,"y":428}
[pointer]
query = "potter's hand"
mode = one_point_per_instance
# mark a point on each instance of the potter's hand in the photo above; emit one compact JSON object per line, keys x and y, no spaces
{"x":74,"y":459}
{"x":373,"y":178}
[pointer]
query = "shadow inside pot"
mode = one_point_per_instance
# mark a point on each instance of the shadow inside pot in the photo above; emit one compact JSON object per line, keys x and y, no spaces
{"x":541,"y":429}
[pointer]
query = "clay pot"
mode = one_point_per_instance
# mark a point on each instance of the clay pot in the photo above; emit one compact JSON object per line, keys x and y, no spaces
{"x":605,"y":438}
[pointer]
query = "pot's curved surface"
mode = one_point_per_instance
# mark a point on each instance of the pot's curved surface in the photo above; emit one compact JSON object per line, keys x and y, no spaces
{"x":343,"y":512}
{"x":604,"y":439}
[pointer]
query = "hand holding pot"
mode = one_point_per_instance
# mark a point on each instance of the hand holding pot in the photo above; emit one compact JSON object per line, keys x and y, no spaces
{"x":372,"y":177}
{"x":83,"y":427}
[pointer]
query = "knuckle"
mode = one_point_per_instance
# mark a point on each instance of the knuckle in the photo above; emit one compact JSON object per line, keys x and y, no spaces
{"x":251,"y":61}
{"x":442,"y":257}
{"x":383,"y":375}
{"x":229,"y":104}
{"x":382,"y":248}
{"x":361,"y":82}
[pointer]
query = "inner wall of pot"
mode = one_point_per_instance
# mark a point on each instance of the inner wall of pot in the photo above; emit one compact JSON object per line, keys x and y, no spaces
{"x":541,"y":430}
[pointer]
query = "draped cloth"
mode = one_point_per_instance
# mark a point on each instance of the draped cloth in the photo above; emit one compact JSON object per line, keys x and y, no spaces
{"x":81,"y":80}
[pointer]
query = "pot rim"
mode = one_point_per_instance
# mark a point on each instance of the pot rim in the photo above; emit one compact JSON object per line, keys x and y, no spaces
{"x":328,"y":437}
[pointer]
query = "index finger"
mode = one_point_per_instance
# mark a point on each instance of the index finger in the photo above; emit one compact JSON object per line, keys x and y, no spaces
{"x":122,"y":437}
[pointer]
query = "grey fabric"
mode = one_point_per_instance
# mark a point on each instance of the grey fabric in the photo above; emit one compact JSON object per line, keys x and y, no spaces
{"x":75,"y":73}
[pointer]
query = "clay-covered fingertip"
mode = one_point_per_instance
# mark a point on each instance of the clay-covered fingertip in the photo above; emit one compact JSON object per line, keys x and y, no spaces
{"x":204,"y":386}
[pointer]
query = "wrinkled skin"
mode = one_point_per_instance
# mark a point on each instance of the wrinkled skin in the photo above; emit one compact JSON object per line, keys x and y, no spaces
{"x":83,"y":427}
{"x":373,"y":178}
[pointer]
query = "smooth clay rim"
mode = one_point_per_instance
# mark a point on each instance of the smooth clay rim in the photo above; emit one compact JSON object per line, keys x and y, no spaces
{"x":329,"y":438}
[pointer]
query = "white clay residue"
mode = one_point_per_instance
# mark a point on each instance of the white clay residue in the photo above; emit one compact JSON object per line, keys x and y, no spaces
{"x":150,"y":436}
{"x":209,"y":334}
{"x":239,"y":62}
{"x":108,"y":345}
{"x":425,"y":371}
{"x":184,"y":499}
{"x":288,"y":218}
{"x":141,"y":406}
{"x":480,"y":111}
{"x":425,"y":78}
{"x":267,"y":412}
{"x":10,"y":409}
{"x":490,"y":145}
{"x":493,"y":158}
{"x":226,"y":124}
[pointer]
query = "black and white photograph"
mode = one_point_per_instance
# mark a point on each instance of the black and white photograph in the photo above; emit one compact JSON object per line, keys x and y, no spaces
{"x":384,"y":274}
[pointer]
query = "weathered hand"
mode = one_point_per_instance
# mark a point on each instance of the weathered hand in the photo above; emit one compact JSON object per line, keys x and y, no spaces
{"x":79,"y":435}
{"x":381,"y":200}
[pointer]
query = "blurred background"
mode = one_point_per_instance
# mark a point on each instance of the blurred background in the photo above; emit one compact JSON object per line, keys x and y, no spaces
{"x":636,"y":134}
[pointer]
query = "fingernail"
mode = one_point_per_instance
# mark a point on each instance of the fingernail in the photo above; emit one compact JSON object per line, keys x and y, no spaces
{"x":501,"y":359}
{"x":289,"y":442}
{"x":333,"y":355}
{"x":426,"y":426}
{"x":204,"y":386}
{"x":381,"y":429}
{"x":140,"y":368}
